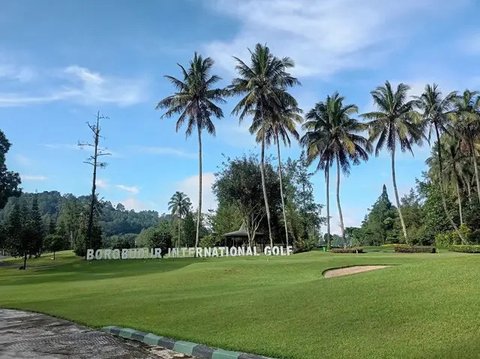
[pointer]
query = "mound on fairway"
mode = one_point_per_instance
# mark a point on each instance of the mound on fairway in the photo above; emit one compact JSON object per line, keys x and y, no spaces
{"x":280,"y":307}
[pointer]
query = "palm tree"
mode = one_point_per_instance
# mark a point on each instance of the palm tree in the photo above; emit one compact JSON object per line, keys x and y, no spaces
{"x":179,"y":205}
{"x":467,"y":126}
{"x":394,"y":122}
{"x":435,"y":111}
{"x":262,"y":85}
{"x":277,"y":128}
{"x":195,"y":102}
{"x":332,"y":135}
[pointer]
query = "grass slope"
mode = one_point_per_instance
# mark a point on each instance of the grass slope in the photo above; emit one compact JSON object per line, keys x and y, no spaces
{"x":424,"y":306}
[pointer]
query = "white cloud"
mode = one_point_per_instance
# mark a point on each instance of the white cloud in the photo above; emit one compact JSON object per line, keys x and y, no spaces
{"x":23,"y":160}
{"x":101,"y":183}
{"x":323,"y":37}
{"x":168,"y":151}
{"x":17,"y":73}
{"x":129,"y":189}
{"x":135,"y":204}
{"x":33,"y":178}
{"x":190,"y":186}
{"x":76,"y":84}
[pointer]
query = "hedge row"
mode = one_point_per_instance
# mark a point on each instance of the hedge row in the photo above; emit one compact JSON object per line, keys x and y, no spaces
{"x":405,"y":248}
{"x":347,"y":250}
{"x":466,"y":248}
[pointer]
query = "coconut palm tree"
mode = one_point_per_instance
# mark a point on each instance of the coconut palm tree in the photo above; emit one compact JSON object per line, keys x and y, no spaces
{"x":333,"y":136}
{"x":277,"y":127}
{"x":179,"y":205}
{"x":394,"y":123}
{"x":195,"y":101}
{"x":435,"y":112}
{"x":263,"y":85}
{"x":467,"y":127}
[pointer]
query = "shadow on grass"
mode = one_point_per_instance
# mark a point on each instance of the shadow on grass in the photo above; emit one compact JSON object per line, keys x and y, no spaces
{"x":80,"y":270}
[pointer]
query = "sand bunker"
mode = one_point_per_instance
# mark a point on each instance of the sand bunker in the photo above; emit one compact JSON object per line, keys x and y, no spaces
{"x":350,"y":270}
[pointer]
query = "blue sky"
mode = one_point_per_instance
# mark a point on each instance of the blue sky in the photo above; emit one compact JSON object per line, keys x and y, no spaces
{"x":61,"y":61}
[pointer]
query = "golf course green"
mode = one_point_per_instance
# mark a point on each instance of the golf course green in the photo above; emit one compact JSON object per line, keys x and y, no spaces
{"x":421,"y":306}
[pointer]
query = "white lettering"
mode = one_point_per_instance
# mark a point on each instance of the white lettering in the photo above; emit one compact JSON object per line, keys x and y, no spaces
{"x":108,"y":253}
{"x":158,"y":253}
{"x":124,"y":253}
{"x":98,"y":254}
{"x":199,"y":252}
{"x":267,"y":251}
{"x":116,"y":254}
{"x":90,"y":254}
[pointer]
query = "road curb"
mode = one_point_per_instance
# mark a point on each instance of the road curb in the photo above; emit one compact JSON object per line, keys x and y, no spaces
{"x":197,"y":350}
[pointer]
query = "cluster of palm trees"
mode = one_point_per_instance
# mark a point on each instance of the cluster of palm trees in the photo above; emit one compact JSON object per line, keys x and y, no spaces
{"x":332,"y":135}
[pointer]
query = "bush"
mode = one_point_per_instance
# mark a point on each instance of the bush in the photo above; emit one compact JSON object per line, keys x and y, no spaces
{"x":405,"y":248}
{"x":465,"y":248}
{"x":209,"y":241}
{"x":347,"y":250}
{"x":304,"y":245}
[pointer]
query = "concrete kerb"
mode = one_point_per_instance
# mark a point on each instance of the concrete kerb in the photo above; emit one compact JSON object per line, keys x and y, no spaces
{"x":197,"y":350}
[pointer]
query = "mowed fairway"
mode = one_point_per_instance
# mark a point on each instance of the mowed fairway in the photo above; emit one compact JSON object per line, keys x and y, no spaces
{"x":423,"y":306}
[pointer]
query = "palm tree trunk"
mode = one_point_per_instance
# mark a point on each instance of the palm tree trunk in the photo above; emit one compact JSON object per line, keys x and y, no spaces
{"x":281,"y":189}
{"x":397,"y":199}
{"x":179,"y":230}
{"x":199,"y":216}
{"x":442,"y":193}
{"x":459,"y":197}
{"x":342,"y":227}
{"x":327,"y":180}
{"x":475,"y":166}
{"x":264,"y":187}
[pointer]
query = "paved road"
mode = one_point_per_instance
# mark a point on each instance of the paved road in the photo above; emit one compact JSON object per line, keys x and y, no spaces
{"x":32,"y":335}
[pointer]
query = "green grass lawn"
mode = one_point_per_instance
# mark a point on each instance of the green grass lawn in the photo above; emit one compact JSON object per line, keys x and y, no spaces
{"x":424,"y":306}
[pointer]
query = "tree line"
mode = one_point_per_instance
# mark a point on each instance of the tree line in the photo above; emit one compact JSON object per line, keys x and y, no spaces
{"x":332,"y":136}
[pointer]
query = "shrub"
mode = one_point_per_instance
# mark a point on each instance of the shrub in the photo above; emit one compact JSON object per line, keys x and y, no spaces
{"x":405,"y":248}
{"x":347,"y":250}
{"x":469,"y":248}
{"x":208,"y":241}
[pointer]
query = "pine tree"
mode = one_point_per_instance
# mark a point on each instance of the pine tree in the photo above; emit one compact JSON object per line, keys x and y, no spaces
{"x":35,"y":224}
{"x":378,"y":226}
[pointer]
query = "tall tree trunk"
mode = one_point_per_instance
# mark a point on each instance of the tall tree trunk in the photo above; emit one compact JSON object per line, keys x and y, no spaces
{"x":397,"y":199}
{"x":264,"y":187}
{"x":469,"y":189}
{"x":179,"y":231}
{"x":342,"y":227}
{"x":475,"y":166}
{"x":94,"y":187}
{"x":25,"y":260}
{"x":199,"y":216}
{"x":442,"y":193}
{"x":459,"y":198}
{"x":327,"y":180}
{"x":281,"y":188}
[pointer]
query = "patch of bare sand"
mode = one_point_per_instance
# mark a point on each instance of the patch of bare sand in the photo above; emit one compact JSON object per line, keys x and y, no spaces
{"x":350,"y":270}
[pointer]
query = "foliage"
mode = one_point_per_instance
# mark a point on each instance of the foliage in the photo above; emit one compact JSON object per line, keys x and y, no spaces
{"x":332,"y":135}
{"x":405,"y":248}
{"x":239,"y":184}
{"x":209,"y":241}
{"x":303,"y":213}
{"x":9,"y":181}
{"x":394,"y":123}
{"x":378,"y":226}
{"x":447,"y":239}
{"x":55,"y":243}
{"x":161,"y":237}
{"x":195,"y":101}
{"x":468,"y":248}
